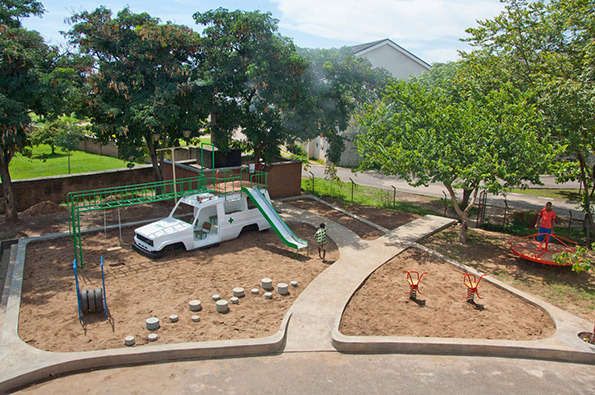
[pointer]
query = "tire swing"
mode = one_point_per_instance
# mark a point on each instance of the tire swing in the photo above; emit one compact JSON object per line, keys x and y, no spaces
{"x":93,"y":300}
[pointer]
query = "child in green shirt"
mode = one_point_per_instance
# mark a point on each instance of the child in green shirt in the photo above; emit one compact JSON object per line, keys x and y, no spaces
{"x":321,"y":240}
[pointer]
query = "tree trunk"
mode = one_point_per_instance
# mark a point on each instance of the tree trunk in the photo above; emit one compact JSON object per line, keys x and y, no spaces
{"x":10,"y":209}
{"x":218,"y":137}
{"x":463,"y":213}
{"x":154,"y":160}
{"x":588,"y":223}
{"x":466,"y":197}
{"x":463,"y":231}
{"x":53,"y":149}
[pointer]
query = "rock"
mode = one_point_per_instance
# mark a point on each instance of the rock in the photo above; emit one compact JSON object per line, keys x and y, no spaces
{"x":173,"y":318}
{"x":294,"y":283}
{"x":152,"y":337}
{"x":216,"y":297}
{"x":255,"y":291}
{"x":195,"y":318}
{"x":129,"y":341}
{"x":268,"y":295}
{"x":234,"y":300}
{"x":238,"y":292}
{"x":152,"y":323}
{"x":195,"y":305}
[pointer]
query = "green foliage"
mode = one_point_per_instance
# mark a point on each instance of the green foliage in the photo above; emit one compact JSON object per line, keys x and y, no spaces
{"x":337,"y":84}
{"x":142,"y":79}
{"x":582,"y":259}
{"x":254,"y":78}
{"x":34,"y":78}
{"x":65,"y":131}
{"x":11,"y":11}
{"x":428,"y":133}
{"x":362,"y":194}
{"x":546,"y":48}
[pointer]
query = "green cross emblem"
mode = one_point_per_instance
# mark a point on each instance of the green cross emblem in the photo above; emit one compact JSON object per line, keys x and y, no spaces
{"x":230,"y":220}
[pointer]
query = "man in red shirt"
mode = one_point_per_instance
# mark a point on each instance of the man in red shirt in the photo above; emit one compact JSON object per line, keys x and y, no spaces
{"x":545,"y":222}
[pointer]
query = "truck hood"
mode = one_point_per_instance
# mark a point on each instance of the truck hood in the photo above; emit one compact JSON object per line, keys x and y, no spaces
{"x":164,"y":227}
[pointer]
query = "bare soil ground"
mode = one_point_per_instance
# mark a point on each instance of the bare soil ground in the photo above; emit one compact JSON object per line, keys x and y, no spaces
{"x":49,"y":218}
{"x":390,"y":219}
{"x":138,"y":288}
{"x":489,"y":252}
{"x":361,"y":229}
{"x":381,"y":307}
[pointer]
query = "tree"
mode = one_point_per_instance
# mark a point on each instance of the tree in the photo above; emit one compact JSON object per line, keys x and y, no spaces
{"x":426,"y":134}
{"x":337,"y":84}
{"x":65,"y":131}
{"x":29,"y":69}
{"x":141,"y":83}
{"x":546,"y":48}
{"x":254,"y":78}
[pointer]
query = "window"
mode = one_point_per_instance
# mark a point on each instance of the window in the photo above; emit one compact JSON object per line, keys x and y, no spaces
{"x":184,"y":212}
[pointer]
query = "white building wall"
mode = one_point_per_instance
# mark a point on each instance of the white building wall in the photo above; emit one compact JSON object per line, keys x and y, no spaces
{"x":400,"y":66}
{"x":396,"y":63}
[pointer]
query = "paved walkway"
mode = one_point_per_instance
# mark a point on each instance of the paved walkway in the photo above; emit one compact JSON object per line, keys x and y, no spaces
{"x":315,"y":311}
{"x":515,"y":200}
{"x":334,"y":373}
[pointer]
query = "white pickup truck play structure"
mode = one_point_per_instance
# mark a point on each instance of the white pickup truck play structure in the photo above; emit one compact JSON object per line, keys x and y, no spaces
{"x":206,"y":219}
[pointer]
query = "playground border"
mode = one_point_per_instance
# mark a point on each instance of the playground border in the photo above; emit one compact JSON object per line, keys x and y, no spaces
{"x":563,"y":346}
{"x":42,"y":365}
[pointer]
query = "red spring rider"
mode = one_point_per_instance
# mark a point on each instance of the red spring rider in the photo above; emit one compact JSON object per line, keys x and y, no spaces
{"x":472,"y":282}
{"x":414,"y":285}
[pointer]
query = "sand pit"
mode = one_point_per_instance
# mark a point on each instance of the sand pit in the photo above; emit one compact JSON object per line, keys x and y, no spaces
{"x":376,"y":311}
{"x":138,"y":288}
{"x":363,"y":230}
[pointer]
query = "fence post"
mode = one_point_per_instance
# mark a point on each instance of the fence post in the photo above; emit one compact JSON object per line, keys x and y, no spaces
{"x":352,"y":187}
{"x":312,"y":174}
{"x":394,"y":196}
{"x":569,"y":219}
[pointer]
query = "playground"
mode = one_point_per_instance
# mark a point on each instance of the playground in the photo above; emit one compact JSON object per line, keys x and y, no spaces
{"x":489,"y":252}
{"x":139,"y":287}
{"x":444,"y":313}
{"x":235,"y":271}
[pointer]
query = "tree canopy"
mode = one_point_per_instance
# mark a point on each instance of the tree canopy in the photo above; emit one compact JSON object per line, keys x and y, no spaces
{"x":141,"y":83}
{"x":440,"y":133}
{"x":546,"y":49}
{"x":337,"y":84}
{"x":35,"y":77}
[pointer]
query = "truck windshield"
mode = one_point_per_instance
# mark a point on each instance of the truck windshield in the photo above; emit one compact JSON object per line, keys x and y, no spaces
{"x":184,"y":212}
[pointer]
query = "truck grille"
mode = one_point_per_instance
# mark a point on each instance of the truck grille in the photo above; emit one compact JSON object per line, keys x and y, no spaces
{"x":144,"y":239}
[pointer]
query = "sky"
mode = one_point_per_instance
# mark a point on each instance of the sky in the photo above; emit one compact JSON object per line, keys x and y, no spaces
{"x":431,"y":29}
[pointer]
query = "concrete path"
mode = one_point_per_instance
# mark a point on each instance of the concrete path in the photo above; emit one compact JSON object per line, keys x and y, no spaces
{"x":334,"y":373}
{"x":515,"y":200}
{"x":316,"y":309}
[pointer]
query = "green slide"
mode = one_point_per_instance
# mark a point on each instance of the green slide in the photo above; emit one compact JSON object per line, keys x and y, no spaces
{"x":268,"y":211}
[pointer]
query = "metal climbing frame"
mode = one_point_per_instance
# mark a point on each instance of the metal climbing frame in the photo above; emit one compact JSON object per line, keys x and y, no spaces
{"x":222,"y":183}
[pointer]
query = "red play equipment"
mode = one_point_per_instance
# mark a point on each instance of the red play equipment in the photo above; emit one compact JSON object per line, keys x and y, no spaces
{"x":414,"y":285}
{"x":542,"y":251}
{"x":472,"y":282}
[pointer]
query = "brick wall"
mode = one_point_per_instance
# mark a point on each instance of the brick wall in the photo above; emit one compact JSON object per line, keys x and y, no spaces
{"x":283,"y":179}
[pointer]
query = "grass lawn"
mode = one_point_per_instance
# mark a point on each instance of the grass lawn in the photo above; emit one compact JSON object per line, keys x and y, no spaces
{"x":43,"y":164}
{"x":570,"y":195}
{"x":364,"y":195}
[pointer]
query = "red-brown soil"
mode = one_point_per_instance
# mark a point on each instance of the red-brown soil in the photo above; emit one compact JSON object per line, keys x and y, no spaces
{"x":381,"y":307}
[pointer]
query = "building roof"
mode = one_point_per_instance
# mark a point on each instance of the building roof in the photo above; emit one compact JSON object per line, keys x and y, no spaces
{"x":360,"y":49}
